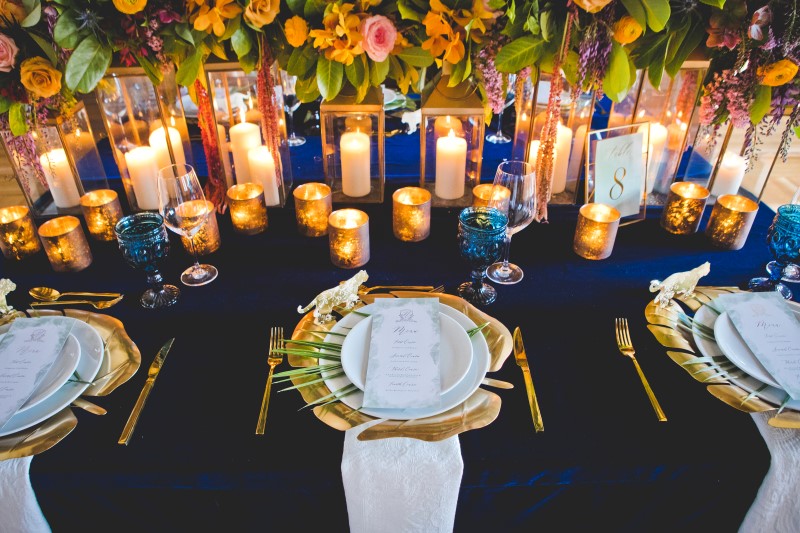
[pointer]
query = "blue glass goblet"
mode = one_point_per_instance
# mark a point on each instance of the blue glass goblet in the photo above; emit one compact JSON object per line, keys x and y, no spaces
{"x":481,"y":239}
{"x":144,"y":243}
{"x":783,"y":239}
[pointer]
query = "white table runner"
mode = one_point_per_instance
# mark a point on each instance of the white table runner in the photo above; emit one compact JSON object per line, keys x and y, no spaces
{"x":19,"y":510}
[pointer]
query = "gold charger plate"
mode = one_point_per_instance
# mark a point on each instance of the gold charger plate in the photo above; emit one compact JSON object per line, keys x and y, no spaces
{"x":477,"y":411}
{"x":121,"y":360}
{"x":665,"y":324}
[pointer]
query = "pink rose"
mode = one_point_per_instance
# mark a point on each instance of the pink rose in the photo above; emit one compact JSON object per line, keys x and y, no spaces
{"x":379,"y":36}
{"x":8,"y":53}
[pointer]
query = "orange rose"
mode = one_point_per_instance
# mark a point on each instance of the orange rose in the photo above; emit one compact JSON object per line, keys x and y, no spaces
{"x":296,"y":31}
{"x":259,"y":13}
{"x":627,"y":30}
{"x":40,"y":77}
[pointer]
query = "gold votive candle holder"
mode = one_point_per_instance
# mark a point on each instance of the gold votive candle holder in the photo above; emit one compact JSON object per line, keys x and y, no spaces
{"x":730,"y":221}
{"x":411,"y":214}
{"x":206,"y":240}
{"x":348,"y":238}
{"x":596,"y":231}
{"x":248,"y":209}
{"x":312,"y":207}
{"x":482,"y":194}
{"x":102,"y":211}
{"x":18,"y":237}
{"x":65,"y":244}
{"x":684,"y":208}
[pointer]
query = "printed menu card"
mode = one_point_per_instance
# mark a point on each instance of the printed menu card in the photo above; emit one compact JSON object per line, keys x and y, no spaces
{"x":27,"y":352}
{"x":771,"y":331}
{"x":403,"y":364}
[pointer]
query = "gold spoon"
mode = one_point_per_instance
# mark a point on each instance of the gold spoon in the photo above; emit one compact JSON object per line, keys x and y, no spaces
{"x":104,"y":304}
{"x":47,"y":294}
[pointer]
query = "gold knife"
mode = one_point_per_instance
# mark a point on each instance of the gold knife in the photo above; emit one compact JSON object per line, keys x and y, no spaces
{"x":152,"y":374}
{"x":522,"y":362}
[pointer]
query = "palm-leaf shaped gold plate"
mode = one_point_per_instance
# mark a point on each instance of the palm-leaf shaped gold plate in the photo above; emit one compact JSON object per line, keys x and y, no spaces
{"x":477,"y":411}
{"x":670,"y":328}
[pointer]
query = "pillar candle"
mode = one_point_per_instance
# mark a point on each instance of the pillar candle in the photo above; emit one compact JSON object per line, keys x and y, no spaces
{"x":248,"y":210}
{"x":225,"y":155}
{"x":451,"y":166}
{"x":676,"y":134}
{"x":60,"y":179}
{"x":158,"y":141}
{"x":729,"y":175}
{"x":244,"y":137}
{"x":656,"y":143}
{"x":354,"y":147}
{"x":596,"y":231}
{"x":730,"y":221}
{"x":18,"y":237}
{"x":262,"y":170}
{"x":533,"y":152}
{"x":411,"y":214}
{"x":253,"y":115}
{"x":576,"y":156}
{"x":312,"y":204}
{"x":348,"y":238}
{"x":561,"y":158}
{"x":443,"y":125}
{"x":684,"y":208}
{"x":143,"y":169}
{"x":65,"y":244}
{"x":101,"y":210}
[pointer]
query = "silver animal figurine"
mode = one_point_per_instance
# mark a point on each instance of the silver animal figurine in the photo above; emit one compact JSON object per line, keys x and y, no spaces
{"x":345,"y":294}
{"x":679,"y":283}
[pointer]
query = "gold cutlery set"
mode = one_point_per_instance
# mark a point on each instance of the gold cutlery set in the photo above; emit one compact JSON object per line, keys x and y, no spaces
{"x":47,"y":296}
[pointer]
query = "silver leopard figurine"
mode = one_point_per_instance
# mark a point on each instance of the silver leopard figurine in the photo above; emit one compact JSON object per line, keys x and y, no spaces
{"x":345,"y":294}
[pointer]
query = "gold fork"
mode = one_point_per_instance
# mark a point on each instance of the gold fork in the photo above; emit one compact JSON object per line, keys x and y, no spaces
{"x":274,"y":358}
{"x":626,"y":348}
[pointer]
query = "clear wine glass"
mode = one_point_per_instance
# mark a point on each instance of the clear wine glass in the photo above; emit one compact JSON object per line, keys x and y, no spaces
{"x":184,"y":208}
{"x":291,"y":103}
{"x":144,"y":244}
{"x":783,"y":240}
{"x":481,"y":231}
{"x":513,"y":194}
{"x":499,"y":137}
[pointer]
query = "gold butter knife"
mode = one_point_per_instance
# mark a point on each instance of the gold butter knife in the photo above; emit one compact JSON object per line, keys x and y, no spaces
{"x":522,"y":362}
{"x":152,"y":374}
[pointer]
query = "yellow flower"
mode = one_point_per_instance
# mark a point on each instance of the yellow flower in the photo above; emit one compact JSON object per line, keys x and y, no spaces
{"x":592,"y":6}
{"x":11,"y":10}
{"x":778,"y":73}
{"x":129,"y":7}
{"x":296,"y":31}
{"x":340,"y":39}
{"x":410,"y":77}
{"x":455,"y":50}
{"x":210,"y":19}
{"x":40,"y":77}
{"x":627,"y":30}
{"x":259,"y":13}
{"x":475,"y":19}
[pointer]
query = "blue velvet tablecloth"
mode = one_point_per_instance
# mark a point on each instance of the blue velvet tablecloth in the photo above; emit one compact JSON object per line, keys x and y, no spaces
{"x":603,"y":462}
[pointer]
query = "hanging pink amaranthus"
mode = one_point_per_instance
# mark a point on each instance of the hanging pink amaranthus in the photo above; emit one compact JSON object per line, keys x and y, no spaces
{"x":215,"y":186}
{"x":267,"y":105}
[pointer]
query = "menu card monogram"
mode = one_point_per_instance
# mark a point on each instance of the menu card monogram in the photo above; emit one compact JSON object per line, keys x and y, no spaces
{"x":619,"y":173}
{"x":27,"y":352}
{"x":403,"y":366}
{"x":771,"y":331}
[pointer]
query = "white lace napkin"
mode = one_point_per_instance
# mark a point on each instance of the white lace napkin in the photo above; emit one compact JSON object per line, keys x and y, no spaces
{"x":19,"y":510}
{"x":401,"y":484}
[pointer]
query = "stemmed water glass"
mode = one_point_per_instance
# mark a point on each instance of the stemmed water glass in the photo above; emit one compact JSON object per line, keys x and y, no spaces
{"x":783,"y":240}
{"x":144,"y":244}
{"x":291,"y":103}
{"x":184,"y":208}
{"x":514,"y":194}
{"x":481,"y":232}
{"x":499,"y":137}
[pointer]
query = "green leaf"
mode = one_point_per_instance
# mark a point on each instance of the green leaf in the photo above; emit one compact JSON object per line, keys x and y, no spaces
{"x":183,"y":32}
{"x":797,"y":131}
{"x":189,"y":68}
{"x":250,"y":61}
{"x":416,"y":57}
{"x":645,"y":52}
{"x":677,"y":38}
{"x":761,"y":103}
{"x":617,"y":79}
{"x":16,"y":118}
{"x":570,"y":67}
{"x":314,"y":9}
{"x":302,"y":61}
{"x":296,"y":6}
{"x":5,"y":104}
{"x":460,"y":72}
{"x":87,"y":65}
{"x":407,"y":12}
{"x":307,"y":89}
{"x":34,"y":10}
{"x":658,"y":12}
{"x":693,"y":38}
{"x":231,"y":27}
{"x":378,"y":72}
{"x":714,"y":3}
{"x":636,"y":10}
{"x":330,"y":75}
{"x":150,"y":68}
{"x":356,"y":71}
{"x":532,"y":23}
{"x":46,"y":47}
{"x":66,"y":33}
{"x":218,"y":50}
{"x":655,"y":71}
{"x":395,"y":68}
{"x":241,"y":42}
{"x":516,"y":55}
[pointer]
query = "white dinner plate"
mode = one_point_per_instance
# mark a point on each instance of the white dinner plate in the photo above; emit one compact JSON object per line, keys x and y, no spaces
{"x":455,"y":353}
{"x":477,"y":371}
{"x":710,"y":348}
{"x":389,"y":95}
{"x":58,"y":374}
{"x":89,"y":362}
{"x":736,"y":349}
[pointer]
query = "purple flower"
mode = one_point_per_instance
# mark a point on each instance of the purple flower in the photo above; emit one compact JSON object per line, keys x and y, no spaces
{"x":167,"y":15}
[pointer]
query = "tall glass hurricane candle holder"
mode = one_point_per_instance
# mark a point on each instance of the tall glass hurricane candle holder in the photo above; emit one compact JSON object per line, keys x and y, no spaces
{"x":147,"y":130}
{"x":353,"y":147}
{"x":56,"y":164}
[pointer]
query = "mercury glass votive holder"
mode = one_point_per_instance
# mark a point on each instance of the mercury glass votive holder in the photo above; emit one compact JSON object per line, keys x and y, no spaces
{"x":482,"y":195}
{"x":348,"y":238}
{"x":730,"y":221}
{"x":312,"y":207}
{"x":18,"y":237}
{"x":596,"y":231}
{"x":684,"y":208}
{"x":206,"y":240}
{"x":411,"y":214}
{"x":248,"y":209}
{"x":65,"y":244}
{"x":102,"y":211}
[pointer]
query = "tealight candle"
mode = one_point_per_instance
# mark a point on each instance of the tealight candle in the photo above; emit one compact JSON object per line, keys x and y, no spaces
{"x":60,"y":179}
{"x":348,"y":238}
{"x":65,"y":244}
{"x":206,"y":240}
{"x":355,"y":154}
{"x":248,"y":210}
{"x":499,"y":195}
{"x":451,"y":166}
{"x":158,"y":142}
{"x":729,"y":175}
{"x":18,"y":237}
{"x":262,"y":170}
{"x":684,"y":208}
{"x":312,"y":207}
{"x":102,"y":210}
{"x":730,"y":221}
{"x":596,"y":231}
{"x":411,"y":214}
